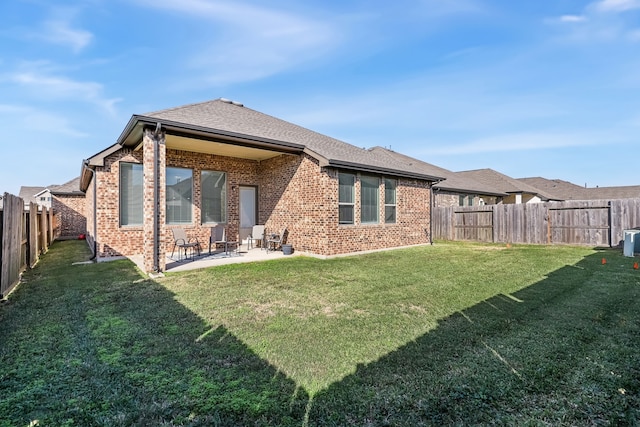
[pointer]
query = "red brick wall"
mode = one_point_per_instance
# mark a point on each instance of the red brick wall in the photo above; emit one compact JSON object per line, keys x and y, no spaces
{"x":70,"y":211}
{"x":239,"y":172}
{"x":294,"y":192}
{"x":298,"y":194}
{"x":113,"y":240}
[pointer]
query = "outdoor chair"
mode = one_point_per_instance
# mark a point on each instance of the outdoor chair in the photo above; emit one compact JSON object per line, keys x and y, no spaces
{"x":181,"y":242}
{"x":219,"y":237}
{"x":275,"y":241}
{"x":257,"y":235}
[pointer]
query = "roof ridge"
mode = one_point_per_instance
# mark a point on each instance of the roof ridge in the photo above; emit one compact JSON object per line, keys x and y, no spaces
{"x":179,"y":107}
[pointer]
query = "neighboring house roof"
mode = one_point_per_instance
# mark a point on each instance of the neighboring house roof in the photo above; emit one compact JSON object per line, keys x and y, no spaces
{"x":563,"y":190}
{"x":624,"y":192}
{"x":69,"y":188}
{"x":569,"y":191}
{"x":227,"y":121}
{"x":452,"y":180}
{"x":504,"y":183}
{"x":28,"y":193}
{"x":31,"y":193}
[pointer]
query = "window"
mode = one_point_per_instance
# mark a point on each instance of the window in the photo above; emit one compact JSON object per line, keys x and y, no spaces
{"x":130,"y":194}
{"x":369,"y":199}
{"x":346,"y":191}
{"x":179,"y":195}
{"x":390,"y":201}
{"x":461,"y":200}
{"x":471,"y":198}
{"x":214,"y":197}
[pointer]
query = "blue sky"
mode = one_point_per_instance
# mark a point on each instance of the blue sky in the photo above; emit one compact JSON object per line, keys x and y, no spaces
{"x":528,"y":88}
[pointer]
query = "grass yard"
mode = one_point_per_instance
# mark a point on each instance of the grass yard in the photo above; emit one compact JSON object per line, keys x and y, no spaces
{"x":453,"y":334}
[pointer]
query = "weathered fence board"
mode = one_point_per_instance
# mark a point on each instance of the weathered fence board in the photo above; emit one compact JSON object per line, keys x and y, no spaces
{"x":12,"y":261}
{"x":25,"y":234}
{"x":592,"y":223}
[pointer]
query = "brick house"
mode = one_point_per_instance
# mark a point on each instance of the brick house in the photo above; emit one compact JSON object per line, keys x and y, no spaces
{"x":219,"y":162}
{"x":454,"y":189}
{"x":69,"y":205}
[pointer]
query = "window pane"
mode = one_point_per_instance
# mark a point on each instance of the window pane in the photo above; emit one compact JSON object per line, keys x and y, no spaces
{"x":346,"y":191}
{"x":179,"y":195}
{"x":369,"y":205}
{"x":346,"y":183}
{"x":389,"y":192}
{"x":214,"y":197}
{"x":345,"y":214}
{"x":130,"y":194}
{"x":390,"y":214}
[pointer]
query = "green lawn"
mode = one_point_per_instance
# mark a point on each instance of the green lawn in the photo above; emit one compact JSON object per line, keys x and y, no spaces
{"x":451,"y":334}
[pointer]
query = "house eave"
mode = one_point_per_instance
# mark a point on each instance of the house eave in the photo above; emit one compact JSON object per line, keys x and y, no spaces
{"x":341,"y":164}
{"x":469,"y":191}
{"x":132,"y":135}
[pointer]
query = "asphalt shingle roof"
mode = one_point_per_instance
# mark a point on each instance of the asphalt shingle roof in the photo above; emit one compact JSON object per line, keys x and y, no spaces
{"x":27,"y":193}
{"x":565,"y":190}
{"x":224,"y":115}
{"x":69,"y":187}
{"x":452,"y":180}
{"x":504,"y":183}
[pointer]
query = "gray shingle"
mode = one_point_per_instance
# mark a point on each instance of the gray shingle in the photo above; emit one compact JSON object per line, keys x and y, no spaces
{"x":69,"y":187}
{"x":221,"y":115}
{"x":504,"y":183}
{"x":452,"y":180}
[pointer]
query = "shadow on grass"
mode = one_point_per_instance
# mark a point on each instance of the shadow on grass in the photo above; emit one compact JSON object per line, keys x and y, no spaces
{"x":107,"y":347}
{"x":563,"y":351}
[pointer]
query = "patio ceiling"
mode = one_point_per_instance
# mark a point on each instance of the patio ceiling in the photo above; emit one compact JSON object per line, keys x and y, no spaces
{"x":218,"y":148}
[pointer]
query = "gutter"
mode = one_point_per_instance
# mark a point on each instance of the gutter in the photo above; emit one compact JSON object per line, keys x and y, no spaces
{"x":85,"y":166}
{"x":156,"y":197}
{"x":432,"y":199}
{"x":216,"y":135}
{"x":379,"y":170}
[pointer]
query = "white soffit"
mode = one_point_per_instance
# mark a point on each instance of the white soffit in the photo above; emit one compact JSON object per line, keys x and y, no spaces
{"x":218,"y":148}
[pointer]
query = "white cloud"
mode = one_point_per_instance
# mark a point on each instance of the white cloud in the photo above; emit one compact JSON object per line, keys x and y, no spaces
{"x":31,"y":119}
{"x":616,"y":5}
{"x":58,"y":29}
{"x":45,"y":85}
{"x":572,"y":18}
{"x":60,"y":32}
{"x":602,"y":21}
{"x":252,"y":42}
{"x":518,"y":142}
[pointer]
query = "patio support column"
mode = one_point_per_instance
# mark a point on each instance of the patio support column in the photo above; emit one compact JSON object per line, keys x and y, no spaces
{"x":154,"y":179}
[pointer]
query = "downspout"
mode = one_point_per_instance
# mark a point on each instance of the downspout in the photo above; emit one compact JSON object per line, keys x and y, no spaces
{"x":431,"y":197}
{"x":85,"y":164}
{"x":156,"y":201}
{"x":431,"y":205}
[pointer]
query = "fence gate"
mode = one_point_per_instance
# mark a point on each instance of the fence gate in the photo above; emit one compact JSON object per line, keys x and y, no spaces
{"x":583,"y":222}
{"x":589,"y":224}
{"x":476,"y":225}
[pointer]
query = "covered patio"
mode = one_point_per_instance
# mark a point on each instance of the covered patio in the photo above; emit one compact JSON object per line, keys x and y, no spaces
{"x":215,"y":259}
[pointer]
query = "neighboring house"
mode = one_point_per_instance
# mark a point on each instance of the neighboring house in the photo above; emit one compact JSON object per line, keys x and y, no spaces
{"x":69,"y":205}
{"x":219,"y":162}
{"x":568,"y":191}
{"x":517,"y":191}
{"x":454,"y":190}
{"x":38,"y":195}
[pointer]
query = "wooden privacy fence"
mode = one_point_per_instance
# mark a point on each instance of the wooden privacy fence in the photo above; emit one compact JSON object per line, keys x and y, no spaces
{"x":25,"y":234}
{"x":591,"y":222}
